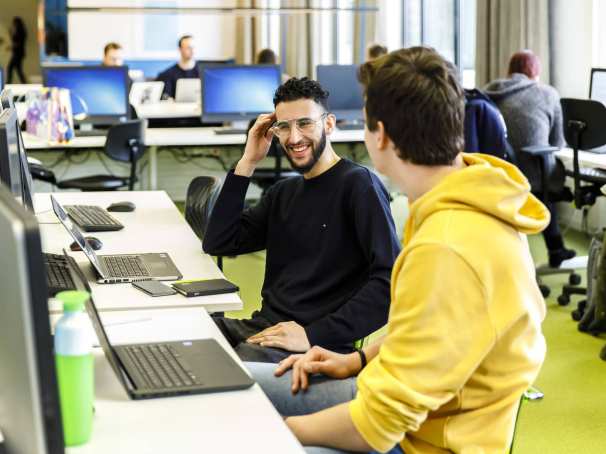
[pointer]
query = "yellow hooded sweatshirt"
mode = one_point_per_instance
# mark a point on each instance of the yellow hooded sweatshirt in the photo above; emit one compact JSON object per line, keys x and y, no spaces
{"x":464,"y":332}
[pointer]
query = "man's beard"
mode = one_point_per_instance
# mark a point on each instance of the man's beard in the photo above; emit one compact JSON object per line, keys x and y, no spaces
{"x":316,"y":152}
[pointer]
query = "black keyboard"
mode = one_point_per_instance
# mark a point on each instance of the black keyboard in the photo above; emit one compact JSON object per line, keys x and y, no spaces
{"x":229,"y":131}
{"x":125,"y":265}
{"x":350,"y":126}
{"x":160,"y":366}
{"x":91,"y":132}
{"x":92,"y":218}
{"x":58,"y":277}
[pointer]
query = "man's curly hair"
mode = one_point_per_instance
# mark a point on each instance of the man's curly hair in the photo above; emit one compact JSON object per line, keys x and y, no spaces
{"x":304,"y":88}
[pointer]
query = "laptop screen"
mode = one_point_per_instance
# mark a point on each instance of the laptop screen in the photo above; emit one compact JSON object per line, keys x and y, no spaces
{"x":76,"y":234}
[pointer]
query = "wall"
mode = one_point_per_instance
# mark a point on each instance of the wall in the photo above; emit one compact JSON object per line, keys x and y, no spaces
{"x":27,"y":9}
{"x":572,"y":47}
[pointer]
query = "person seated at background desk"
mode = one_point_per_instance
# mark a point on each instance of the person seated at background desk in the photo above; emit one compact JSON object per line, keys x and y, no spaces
{"x":464,"y":334}
{"x":112,"y":55}
{"x":329,"y":235}
{"x":269,"y":57}
{"x":533,"y":116}
{"x":185,"y":68}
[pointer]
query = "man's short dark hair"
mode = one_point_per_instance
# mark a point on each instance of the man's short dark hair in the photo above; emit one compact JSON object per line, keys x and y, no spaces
{"x":183,"y":38}
{"x":416,"y":94}
{"x":266,"y":57}
{"x":111,"y":46}
{"x":304,"y":88}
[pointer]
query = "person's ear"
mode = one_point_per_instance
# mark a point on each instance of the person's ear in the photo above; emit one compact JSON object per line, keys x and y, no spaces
{"x":331,"y":123}
{"x":381,"y":136}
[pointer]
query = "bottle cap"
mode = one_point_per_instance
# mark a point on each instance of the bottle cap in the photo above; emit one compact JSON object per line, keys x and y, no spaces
{"x":73,"y":300}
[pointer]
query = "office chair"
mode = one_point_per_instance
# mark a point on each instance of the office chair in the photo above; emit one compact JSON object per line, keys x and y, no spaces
{"x":124,"y":143}
{"x":584,"y":121}
{"x":552,"y":177}
{"x":202,"y":194}
{"x":266,"y":177}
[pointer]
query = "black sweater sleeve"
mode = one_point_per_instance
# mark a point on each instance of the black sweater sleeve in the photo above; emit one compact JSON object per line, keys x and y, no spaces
{"x":367,"y":310}
{"x":231,"y":229}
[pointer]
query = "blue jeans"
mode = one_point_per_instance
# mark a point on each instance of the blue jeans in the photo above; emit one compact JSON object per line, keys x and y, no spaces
{"x":323,"y":392}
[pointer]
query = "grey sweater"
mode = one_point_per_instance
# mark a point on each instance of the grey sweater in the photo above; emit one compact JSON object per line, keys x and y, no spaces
{"x":533,"y":116}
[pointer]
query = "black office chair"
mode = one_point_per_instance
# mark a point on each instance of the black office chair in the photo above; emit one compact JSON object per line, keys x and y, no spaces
{"x":124,"y":143}
{"x":552,"y":176}
{"x":202,"y":194}
{"x":266,"y":177}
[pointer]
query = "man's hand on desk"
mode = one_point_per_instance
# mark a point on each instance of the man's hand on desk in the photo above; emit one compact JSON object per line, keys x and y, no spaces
{"x":286,"y":335}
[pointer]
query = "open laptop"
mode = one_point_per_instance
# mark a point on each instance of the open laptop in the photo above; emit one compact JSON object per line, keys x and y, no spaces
{"x":145,"y":92}
{"x":164,"y":369}
{"x":112,"y":269}
{"x":188,"y":90}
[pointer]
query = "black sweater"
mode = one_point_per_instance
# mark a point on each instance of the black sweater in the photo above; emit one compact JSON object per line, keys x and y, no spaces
{"x":331,"y":244}
{"x":171,"y":75}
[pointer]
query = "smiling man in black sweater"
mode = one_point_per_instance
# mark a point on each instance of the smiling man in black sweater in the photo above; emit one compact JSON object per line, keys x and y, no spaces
{"x":329,"y":236}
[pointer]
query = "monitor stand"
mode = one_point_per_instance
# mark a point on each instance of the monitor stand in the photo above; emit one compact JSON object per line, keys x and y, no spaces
{"x":87,"y":130}
{"x":234,"y":127}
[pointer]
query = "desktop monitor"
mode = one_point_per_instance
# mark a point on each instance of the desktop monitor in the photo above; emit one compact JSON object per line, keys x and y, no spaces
{"x":1,"y":78}
{"x":99,"y":94}
{"x":30,"y":417}
{"x":345,"y":95}
{"x":597,"y":85}
{"x":10,"y":165}
{"x":27,"y":185}
{"x":237,"y":92}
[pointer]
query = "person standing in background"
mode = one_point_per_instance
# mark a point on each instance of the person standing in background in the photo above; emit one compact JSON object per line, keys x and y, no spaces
{"x":18,"y":38}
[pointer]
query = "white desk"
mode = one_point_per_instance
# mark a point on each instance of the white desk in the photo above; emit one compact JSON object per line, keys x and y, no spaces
{"x":169,"y":109}
{"x":173,"y":137}
{"x":586,"y":159}
{"x":230,"y":422}
{"x":155,"y":226}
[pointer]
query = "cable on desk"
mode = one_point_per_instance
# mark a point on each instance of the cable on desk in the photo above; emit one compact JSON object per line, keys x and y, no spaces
{"x":72,"y":154}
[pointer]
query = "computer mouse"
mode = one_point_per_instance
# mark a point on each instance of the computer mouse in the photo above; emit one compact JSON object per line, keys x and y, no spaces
{"x":93,"y":242}
{"x":121,"y":206}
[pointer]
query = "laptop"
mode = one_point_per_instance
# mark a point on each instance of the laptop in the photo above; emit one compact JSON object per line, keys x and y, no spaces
{"x":188,"y":90}
{"x":165,"y":369}
{"x":145,"y":92}
{"x":112,"y":269}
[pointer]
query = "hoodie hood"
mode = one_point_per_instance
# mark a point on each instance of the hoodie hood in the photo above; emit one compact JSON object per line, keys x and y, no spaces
{"x":502,"y":88}
{"x":488,"y":185}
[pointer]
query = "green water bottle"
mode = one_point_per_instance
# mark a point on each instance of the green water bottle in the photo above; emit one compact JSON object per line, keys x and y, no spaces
{"x":75,"y":374}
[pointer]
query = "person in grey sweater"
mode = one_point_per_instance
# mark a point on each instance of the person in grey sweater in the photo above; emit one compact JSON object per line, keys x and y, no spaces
{"x":533,"y":116}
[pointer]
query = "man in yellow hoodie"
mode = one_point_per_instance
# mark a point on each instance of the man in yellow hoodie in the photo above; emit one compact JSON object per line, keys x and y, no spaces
{"x":464,"y":334}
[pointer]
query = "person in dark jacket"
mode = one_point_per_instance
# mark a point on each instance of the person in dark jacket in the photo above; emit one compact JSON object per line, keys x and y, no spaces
{"x":485,"y":130}
{"x":185,"y":68}
{"x":18,"y":39}
{"x":329,"y":235}
{"x":533,"y":116}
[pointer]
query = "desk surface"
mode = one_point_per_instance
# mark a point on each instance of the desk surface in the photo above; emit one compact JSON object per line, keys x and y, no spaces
{"x":229,"y":422}
{"x":586,"y":159}
{"x":155,"y":226}
{"x":202,"y":136}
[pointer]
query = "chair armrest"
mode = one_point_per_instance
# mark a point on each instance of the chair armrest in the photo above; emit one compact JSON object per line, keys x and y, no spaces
{"x":539,"y":150}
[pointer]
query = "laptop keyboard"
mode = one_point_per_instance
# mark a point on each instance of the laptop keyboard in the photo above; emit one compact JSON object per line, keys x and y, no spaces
{"x":160,"y":367}
{"x":58,"y":278}
{"x":125,"y":265}
{"x":92,"y":218}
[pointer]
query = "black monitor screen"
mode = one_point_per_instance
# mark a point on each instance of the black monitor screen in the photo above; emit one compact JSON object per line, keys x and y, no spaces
{"x":345,"y":96}
{"x":1,"y":78}
{"x":237,"y":92}
{"x":99,"y":94}
{"x":10,"y":165}
{"x":30,"y":417}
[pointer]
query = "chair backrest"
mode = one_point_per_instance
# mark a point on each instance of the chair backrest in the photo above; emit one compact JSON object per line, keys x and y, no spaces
{"x":126,"y":138}
{"x":584,"y":121}
{"x":202,"y":194}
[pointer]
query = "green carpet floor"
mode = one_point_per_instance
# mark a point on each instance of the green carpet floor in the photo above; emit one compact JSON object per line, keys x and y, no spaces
{"x":572,"y":416}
